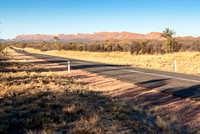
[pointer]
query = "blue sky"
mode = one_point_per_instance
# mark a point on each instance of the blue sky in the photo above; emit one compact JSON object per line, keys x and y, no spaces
{"x":88,"y":16}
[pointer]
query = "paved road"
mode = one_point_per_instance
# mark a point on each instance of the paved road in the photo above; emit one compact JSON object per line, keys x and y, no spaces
{"x":182,"y":85}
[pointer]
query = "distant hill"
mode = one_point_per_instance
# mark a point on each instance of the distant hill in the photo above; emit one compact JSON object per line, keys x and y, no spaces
{"x":2,"y":40}
{"x":101,"y":36}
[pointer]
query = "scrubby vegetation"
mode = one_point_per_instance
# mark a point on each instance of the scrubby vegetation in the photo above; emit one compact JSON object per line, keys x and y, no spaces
{"x":35,"y":99}
{"x":132,"y":46}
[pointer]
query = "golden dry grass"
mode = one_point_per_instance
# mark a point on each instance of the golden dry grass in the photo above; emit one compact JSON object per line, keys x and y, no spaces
{"x":36,"y":99}
{"x":187,"y":62}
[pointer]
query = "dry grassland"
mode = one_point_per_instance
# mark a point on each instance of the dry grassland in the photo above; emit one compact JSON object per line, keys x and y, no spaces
{"x":187,"y":62}
{"x":45,"y":99}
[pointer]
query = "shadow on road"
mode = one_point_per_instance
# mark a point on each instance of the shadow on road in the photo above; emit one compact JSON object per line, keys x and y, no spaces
{"x":151,"y":84}
{"x":192,"y":92}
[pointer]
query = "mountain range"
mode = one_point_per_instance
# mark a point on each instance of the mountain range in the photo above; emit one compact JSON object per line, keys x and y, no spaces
{"x":101,"y":36}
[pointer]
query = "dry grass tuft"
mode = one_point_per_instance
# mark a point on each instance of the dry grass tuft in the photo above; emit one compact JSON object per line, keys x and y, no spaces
{"x":88,"y":125}
{"x":71,"y":110}
{"x":38,"y":132}
{"x":162,"y":124}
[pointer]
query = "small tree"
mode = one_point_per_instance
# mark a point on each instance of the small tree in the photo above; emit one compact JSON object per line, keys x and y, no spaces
{"x":55,"y":39}
{"x":170,"y":42}
{"x":59,"y":44}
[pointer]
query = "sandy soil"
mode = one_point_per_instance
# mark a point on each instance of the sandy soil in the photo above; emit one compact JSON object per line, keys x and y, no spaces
{"x":167,"y":106}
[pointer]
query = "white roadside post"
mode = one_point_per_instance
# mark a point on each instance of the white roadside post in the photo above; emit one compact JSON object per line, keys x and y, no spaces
{"x":68,"y":66}
{"x":175,"y":65}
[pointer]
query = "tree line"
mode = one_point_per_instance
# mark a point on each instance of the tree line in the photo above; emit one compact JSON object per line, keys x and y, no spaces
{"x":132,"y":46}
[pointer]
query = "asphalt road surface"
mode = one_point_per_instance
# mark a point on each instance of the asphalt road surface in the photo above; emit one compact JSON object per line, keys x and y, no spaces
{"x":178,"y":84}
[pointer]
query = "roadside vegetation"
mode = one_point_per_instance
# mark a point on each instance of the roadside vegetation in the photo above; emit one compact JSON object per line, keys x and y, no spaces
{"x":36,"y":99}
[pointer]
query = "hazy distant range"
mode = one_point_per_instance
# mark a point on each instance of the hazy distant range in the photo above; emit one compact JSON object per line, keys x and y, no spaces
{"x":101,"y":36}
